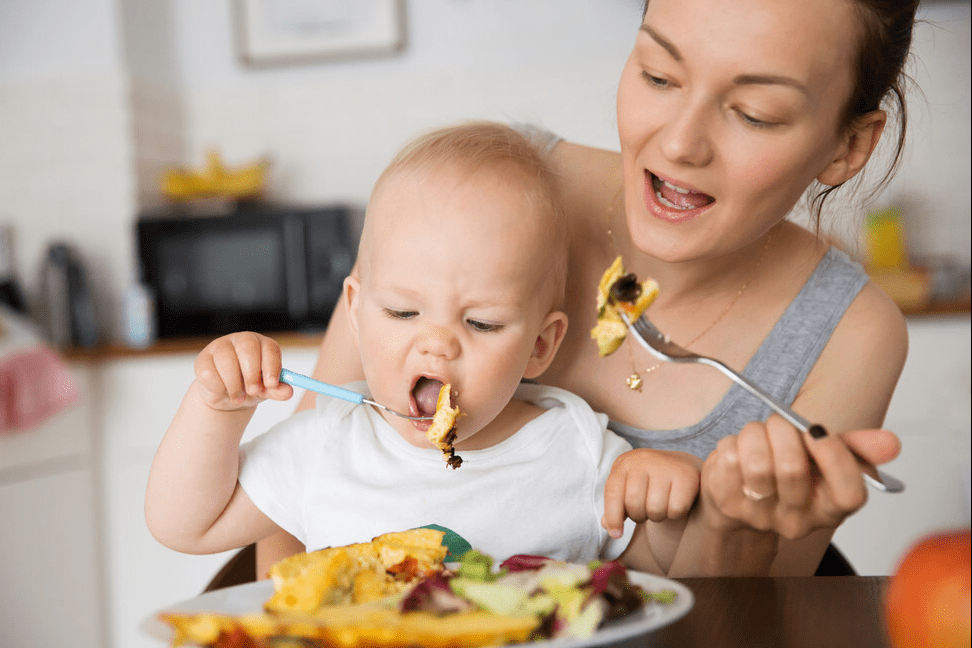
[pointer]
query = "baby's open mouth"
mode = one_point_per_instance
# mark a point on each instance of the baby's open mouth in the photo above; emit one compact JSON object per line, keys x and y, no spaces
{"x":425,"y":394}
{"x":675,"y":197}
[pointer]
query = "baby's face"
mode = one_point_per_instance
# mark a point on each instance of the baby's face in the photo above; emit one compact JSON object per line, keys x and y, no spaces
{"x":448,"y":293}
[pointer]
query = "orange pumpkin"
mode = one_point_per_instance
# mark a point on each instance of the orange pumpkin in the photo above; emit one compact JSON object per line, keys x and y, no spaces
{"x":927,"y":602}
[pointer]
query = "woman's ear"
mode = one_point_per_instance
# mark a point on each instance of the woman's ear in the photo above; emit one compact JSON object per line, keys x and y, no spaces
{"x":855,"y":148}
{"x":548,"y":341}
{"x":350,"y":294}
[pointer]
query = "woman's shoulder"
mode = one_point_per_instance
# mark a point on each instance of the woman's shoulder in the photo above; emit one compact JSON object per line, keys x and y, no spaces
{"x":591,"y":176}
{"x":872,"y":336}
{"x":874,"y":319}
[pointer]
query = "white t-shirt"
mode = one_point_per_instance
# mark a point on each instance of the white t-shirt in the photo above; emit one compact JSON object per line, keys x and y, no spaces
{"x":339,"y":474}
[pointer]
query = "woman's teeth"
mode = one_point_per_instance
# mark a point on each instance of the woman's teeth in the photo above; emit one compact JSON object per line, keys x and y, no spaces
{"x":675,"y":187}
{"x":677,"y":197}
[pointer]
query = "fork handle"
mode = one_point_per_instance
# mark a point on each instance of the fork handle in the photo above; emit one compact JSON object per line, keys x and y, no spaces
{"x":872,"y":475}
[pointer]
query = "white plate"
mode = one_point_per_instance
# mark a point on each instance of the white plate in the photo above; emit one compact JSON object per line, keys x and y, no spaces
{"x":251,"y":596}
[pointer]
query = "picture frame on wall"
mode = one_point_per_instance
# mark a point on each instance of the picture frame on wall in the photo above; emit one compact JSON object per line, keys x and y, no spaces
{"x":291,"y":32}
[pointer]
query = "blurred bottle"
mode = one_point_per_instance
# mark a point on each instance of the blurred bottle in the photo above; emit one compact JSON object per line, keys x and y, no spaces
{"x":11,"y":294}
{"x":140,"y":328}
{"x":70,"y":316}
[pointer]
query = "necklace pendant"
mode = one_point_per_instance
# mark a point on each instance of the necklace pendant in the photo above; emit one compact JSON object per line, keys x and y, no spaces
{"x":634,"y":382}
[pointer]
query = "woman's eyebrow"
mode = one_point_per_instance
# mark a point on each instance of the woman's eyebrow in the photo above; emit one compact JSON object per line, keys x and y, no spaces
{"x":742,"y":79}
{"x":666,"y":44}
{"x":770,"y":79}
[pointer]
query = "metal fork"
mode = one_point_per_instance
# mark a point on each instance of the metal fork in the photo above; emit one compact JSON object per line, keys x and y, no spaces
{"x":660,"y":345}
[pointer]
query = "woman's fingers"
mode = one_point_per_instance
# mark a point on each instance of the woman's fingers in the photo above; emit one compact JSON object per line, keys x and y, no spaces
{"x":791,"y":464}
{"x":877,"y":446}
{"x":841,"y":475}
{"x":756,"y":463}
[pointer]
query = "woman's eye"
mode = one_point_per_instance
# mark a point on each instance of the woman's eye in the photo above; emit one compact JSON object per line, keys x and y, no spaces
{"x":483,"y":327}
{"x":754,"y":122}
{"x":654,"y":81}
{"x":395,"y":313}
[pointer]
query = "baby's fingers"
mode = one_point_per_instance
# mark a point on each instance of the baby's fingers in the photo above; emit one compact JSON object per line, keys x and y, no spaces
{"x":217,"y":370}
{"x":614,"y":510}
{"x":259,"y":362}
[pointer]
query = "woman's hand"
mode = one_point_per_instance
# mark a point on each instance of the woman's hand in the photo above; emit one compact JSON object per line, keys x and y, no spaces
{"x":240,"y":370}
{"x":772,"y":477}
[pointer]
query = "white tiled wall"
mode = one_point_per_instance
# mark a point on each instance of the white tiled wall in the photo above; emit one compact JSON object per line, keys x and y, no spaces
{"x":94,"y":105}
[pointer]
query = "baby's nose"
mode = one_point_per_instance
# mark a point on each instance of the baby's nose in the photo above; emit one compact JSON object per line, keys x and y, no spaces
{"x":439,"y":341}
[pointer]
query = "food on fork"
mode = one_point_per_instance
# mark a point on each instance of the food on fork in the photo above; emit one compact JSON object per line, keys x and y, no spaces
{"x":619,"y":292}
{"x":528,"y":598}
{"x":442,"y":432}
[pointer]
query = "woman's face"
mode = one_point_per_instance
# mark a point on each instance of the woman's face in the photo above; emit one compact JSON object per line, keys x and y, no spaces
{"x":727,"y":110}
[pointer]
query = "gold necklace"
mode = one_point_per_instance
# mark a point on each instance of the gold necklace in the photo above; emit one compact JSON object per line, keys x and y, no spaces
{"x":635,"y":380}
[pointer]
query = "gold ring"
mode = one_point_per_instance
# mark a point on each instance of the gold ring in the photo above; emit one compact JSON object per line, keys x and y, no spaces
{"x":753,"y":495}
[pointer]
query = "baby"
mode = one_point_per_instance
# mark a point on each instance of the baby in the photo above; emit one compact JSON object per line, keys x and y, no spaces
{"x":460,"y":278}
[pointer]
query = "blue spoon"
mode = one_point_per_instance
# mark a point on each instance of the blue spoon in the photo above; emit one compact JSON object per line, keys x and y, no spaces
{"x":305,"y":382}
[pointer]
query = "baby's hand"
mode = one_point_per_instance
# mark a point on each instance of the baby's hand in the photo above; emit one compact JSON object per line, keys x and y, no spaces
{"x":654,"y":485}
{"x":240,"y":370}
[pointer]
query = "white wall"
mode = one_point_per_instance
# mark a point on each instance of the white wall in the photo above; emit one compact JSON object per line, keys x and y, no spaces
{"x":331,"y":127}
{"x":63,"y":144}
{"x":98,"y":97}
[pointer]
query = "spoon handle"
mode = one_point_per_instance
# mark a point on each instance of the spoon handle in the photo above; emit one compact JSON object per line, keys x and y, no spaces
{"x":305,"y":382}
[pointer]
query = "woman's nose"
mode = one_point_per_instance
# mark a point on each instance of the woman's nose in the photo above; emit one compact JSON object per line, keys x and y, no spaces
{"x":686,"y":137}
{"x":439,"y":341}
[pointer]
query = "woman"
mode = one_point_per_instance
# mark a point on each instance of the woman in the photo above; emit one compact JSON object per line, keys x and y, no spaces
{"x":728,"y":111}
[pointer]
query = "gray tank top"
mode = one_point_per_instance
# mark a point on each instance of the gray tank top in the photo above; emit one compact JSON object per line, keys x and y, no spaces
{"x":780,"y":365}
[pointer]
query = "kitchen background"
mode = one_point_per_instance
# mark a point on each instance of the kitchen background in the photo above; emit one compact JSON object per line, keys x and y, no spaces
{"x":99,"y":97}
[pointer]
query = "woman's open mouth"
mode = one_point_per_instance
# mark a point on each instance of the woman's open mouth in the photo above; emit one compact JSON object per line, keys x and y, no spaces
{"x":671,"y":201}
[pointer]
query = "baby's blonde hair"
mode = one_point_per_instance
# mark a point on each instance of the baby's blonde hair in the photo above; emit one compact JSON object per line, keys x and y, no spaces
{"x":493,"y":147}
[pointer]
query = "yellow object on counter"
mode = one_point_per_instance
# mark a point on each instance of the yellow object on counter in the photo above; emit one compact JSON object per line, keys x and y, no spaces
{"x":216,"y":180}
{"x":885,"y":240}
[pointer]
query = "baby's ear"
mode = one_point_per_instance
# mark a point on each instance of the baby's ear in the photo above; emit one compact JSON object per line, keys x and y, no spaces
{"x":552,"y":333}
{"x":352,"y":289}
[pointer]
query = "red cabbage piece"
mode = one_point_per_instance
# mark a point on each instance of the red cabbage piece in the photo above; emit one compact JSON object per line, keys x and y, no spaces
{"x":433,"y":594}
{"x":524,"y":562}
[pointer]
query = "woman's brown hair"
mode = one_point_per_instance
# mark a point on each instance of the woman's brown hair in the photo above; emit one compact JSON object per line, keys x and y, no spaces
{"x":879,"y":77}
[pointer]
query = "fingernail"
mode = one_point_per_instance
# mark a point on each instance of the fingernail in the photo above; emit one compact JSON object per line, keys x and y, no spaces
{"x":817,"y":431}
{"x":615,"y":533}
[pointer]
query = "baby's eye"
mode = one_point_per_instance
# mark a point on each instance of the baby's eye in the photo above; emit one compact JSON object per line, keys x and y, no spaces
{"x":396,"y":313}
{"x":484,"y":327}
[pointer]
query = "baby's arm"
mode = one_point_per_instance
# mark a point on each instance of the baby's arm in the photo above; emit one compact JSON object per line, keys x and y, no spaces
{"x":193,"y":502}
{"x":656,"y":489}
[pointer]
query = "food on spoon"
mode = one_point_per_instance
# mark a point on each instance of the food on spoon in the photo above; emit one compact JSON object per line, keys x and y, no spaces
{"x":442,"y":432}
{"x":619,"y":292}
{"x":529,"y":598}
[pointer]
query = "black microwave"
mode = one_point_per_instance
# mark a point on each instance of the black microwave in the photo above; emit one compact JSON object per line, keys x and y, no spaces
{"x":260,"y":268}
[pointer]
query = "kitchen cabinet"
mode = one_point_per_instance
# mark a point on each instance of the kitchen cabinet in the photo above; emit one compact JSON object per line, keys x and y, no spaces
{"x":930,"y":412}
{"x":139,"y":395}
{"x":52,"y":590}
